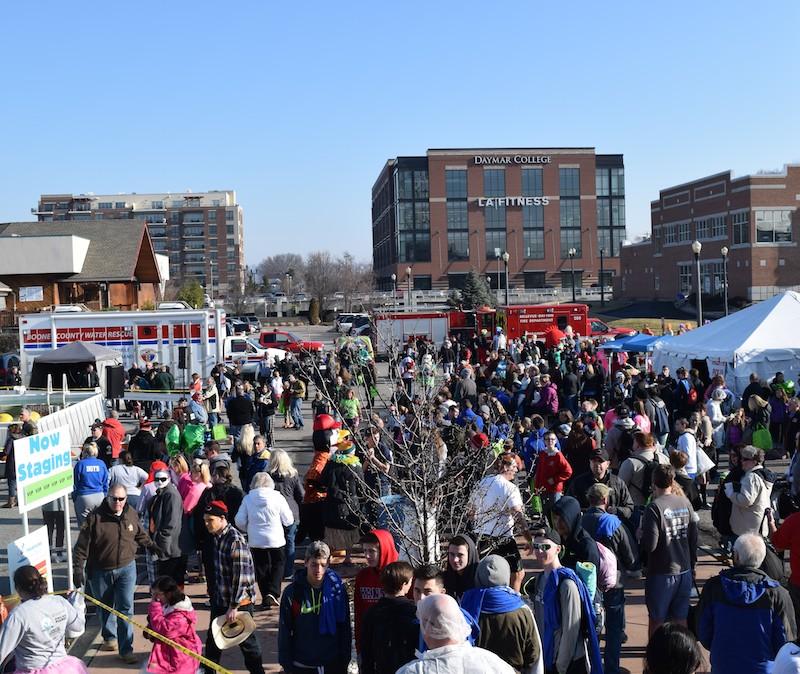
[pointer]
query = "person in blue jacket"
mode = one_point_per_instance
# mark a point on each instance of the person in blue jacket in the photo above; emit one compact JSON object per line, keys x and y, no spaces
{"x":314,"y":632}
{"x":744,"y":616}
{"x":91,"y":481}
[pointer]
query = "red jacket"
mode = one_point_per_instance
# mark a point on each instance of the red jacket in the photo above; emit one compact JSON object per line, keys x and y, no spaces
{"x":552,"y":472}
{"x":787,"y":537}
{"x":114,"y":432}
{"x":368,"y":588}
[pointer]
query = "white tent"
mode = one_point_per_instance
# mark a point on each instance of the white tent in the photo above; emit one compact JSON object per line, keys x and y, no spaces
{"x":762,"y":338}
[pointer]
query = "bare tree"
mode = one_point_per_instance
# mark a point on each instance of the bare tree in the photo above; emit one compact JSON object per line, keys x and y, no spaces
{"x":277,"y":266}
{"x":354,"y":278}
{"x":435,"y":471}
{"x":322,"y":276}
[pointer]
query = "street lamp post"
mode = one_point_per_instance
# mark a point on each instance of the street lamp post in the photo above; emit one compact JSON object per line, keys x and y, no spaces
{"x":489,"y":283}
{"x":497,"y":250}
{"x":211,"y":285}
{"x":394,"y":292}
{"x":602,"y":278}
{"x":572,"y":271}
{"x":696,"y":248}
{"x":408,"y":278}
{"x":724,"y":252}
{"x":506,"y":257}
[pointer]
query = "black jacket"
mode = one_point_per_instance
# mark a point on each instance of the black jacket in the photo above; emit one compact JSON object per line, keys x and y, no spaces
{"x":240,"y":411}
{"x":620,"y":502}
{"x":342,"y":502}
{"x":166,"y":511}
{"x":579,"y":545}
{"x":389,"y":635}
{"x":144,"y":450}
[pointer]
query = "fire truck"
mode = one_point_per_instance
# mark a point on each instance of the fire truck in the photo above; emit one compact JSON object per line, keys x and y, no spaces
{"x":188,"y":340}
{"x":516,"y":321}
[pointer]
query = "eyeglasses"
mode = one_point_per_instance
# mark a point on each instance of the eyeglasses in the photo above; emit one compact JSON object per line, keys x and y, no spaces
{"x":118,"y":499}
{"x":541,"y":547}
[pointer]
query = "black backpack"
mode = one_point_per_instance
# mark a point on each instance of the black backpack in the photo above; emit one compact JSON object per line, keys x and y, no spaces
{"x":647,"y":477}
{"x":660,"y":418}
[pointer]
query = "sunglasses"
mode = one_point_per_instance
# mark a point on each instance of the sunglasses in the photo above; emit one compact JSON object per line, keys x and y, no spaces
{"x":162,"y":479}
{"x":118,"y":499}
{"x":541,"y":547}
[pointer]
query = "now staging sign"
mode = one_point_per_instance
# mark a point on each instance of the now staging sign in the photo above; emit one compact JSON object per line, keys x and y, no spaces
{"x":44,"y":468}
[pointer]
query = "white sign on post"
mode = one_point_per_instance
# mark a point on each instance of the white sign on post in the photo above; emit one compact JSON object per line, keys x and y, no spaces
{"x":44,"y":468}
{"x":33,"y":550}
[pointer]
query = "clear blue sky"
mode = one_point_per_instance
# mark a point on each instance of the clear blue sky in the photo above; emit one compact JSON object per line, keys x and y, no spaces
{"x":297,"y":106}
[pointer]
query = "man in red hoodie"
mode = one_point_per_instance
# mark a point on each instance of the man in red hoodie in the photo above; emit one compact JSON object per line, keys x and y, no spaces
{"x":114,"y":432}
{"x":379,"y":551}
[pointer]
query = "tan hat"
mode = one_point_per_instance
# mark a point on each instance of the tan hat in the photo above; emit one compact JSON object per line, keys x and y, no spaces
{"x":230,"y":634}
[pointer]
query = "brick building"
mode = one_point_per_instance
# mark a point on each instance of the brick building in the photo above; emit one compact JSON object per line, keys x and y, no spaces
{"x":201,"y":232}
{"x":755,"y":217}
{"x":457,"y":210}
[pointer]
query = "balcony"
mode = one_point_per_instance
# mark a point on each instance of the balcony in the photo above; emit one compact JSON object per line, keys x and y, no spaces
{"x":194,"y":232}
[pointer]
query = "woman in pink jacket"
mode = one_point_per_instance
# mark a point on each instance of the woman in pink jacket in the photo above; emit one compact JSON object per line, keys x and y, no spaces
{"x":171,"y":615}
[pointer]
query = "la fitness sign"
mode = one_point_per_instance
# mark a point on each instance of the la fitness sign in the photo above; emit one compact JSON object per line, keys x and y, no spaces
{"x":496,"y":202}
{"x":488,"y":160}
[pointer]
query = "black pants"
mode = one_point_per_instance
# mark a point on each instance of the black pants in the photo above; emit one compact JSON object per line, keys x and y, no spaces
{"x":207,"y":554}
{"x":55,"y":522}
{"x":269,"y":564}
{"x":174,"y":568}
{"x":250,"y":648}
{"x":312,"y":522}
{"x":327,"y":669}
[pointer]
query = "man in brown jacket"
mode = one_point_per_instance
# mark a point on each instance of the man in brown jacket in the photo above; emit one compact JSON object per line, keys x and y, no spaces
{"x":108,"y":539}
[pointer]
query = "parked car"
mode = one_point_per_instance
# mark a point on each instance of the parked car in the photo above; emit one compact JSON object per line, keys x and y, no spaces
{"x":279,"y":339}
{"x":235,"y":327}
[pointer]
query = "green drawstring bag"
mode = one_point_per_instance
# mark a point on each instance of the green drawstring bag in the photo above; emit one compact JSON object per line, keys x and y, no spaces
{"x":762,"y":438}
{"x":219,"y":432}
{"x":193,"y":437}
{"x":173,"y":440}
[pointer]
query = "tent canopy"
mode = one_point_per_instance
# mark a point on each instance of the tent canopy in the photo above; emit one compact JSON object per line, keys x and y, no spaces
{"x":70,"y":360}
{"x":761,"y":339}
{"x":78,"y":352}
{"x":638,"y":343}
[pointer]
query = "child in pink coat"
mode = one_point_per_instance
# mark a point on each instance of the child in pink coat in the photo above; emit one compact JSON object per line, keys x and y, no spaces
{"x":171,"y":614}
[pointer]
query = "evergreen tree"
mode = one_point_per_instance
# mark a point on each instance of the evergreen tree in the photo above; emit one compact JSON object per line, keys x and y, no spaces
{"x":475,"y":292}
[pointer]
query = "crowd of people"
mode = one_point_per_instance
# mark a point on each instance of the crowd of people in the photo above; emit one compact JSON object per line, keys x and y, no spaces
{"x":591,"y":470}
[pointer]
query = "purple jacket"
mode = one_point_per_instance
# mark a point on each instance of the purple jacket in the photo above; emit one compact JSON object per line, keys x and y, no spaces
{"x":548,"y":403}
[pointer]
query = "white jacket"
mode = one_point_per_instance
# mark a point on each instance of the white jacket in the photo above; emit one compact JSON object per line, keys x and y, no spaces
{"x":749,"y":503}
{"x":457,"y":659}
{"x":262,"y":515}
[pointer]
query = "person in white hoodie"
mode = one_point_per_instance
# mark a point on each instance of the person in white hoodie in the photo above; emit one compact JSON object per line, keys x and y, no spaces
{"x":263,"y":515}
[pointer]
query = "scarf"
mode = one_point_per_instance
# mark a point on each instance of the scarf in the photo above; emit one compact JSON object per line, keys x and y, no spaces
{"x":606,"y":526}
{"x":490,"y":600}
{"x":334,"y":603}
{"x":552,"y":619}
{"x":347,"y":459}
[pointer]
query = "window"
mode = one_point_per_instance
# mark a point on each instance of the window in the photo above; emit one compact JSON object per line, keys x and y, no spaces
{"x":193,"y":231}
{"x":103,"y":204}
{"x":412,"y":215}
{"x":684,"y":232}
{"x":532,"y":216}
{"x":533,"y":240}
{"x":711,"y":227}
{"x":685,"y":283}
{"x":610,"y":191}
{"x":494,"y":183}
{"x":422,"y":282}
{"x":229,"y":229}
{"x":455,"y":281}
{"x":157,"y":231}
{"x":602,"y":187}
{"x":773,"y":226}
{"x":495,"y":243}
{"x":569,"y":180}
{"x":570,"y":213}
{"x":566,"y":279}
{"x":535,"y":279}
{"x":156,"y":204}
{"x":570,"y":238}
{"x":741,"y":227}
{"x":230,"y":216}
{"x":532,"y":182}
{"x":212,"y":216}
{"x":119,"y":204}
{"x":216,"y":202}
{"x":212,"y":231}
{"x":420,"y":184}
{"x":495,"y":217}
{"x":618,"y":182}
{"x":455,"y":181}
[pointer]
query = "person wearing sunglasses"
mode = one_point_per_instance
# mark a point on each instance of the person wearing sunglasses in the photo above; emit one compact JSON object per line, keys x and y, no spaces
{"x":563,"y":611}
{"x":107,"y":545}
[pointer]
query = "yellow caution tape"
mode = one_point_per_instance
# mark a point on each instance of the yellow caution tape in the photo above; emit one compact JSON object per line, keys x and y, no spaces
{"x":203,"y":660}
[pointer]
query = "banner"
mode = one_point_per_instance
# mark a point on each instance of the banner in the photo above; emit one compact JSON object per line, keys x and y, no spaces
{"x":44,"y":468}
{"x":33,"y":549}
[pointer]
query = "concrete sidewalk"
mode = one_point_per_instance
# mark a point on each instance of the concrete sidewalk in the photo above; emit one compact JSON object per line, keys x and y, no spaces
{"x":267,"y":622}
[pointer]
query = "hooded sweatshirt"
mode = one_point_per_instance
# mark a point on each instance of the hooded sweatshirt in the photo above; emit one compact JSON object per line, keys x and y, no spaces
{"x":578,"y":545}
{"x":368,"y":588}
{"x":457,"y":584}
{"x":177,"y":622}
{"x":744,"y":602}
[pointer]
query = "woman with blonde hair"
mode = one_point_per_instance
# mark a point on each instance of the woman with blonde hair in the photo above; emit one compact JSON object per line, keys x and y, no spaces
{"x":288,"y":483}
{"x":179,"y":472}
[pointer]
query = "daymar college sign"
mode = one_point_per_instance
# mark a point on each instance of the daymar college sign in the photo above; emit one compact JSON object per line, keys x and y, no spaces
{"x":488,"y":160}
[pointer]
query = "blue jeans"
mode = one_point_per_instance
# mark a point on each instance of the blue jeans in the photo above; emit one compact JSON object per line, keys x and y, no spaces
{"x":297,"y":413}
{"x":115,"y":588}
{"x":571,"y":403}
{"x":614,"y":603}
{"x":213,"y":419}
{"x":291,"y":531}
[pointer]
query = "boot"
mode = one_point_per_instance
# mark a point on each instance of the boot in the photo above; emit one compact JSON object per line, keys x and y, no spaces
{"x":12,"y":502}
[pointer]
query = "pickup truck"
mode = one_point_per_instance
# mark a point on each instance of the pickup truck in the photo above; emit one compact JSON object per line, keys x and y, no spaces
{"x":247,"y":353}
{"x":278,"y":339}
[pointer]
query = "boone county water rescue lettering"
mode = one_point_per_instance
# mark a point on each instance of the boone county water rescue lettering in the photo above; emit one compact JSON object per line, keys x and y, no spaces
{"x":44,"y":467}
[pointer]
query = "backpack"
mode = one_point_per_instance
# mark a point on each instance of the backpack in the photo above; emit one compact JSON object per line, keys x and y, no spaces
{"x":660,"y":418}
{"x":647,"y":477}
{"x":607,"y":573}
{"x":692,"y":396}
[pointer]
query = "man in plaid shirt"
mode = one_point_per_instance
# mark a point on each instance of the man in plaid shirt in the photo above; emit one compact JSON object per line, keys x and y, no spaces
{"x":235,"y":588}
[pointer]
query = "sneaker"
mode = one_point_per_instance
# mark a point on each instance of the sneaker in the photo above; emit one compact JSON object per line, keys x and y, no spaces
{"x":271,"y":601}
{"x":129,"y":658}
{"x":109,"y":645}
